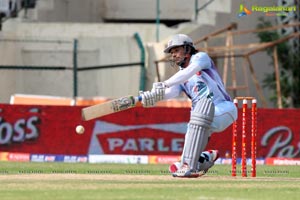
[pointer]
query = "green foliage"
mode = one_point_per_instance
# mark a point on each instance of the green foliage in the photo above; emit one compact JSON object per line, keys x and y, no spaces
{"x":289,"y":62}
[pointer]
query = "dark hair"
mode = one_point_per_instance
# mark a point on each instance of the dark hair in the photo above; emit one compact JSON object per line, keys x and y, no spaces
{"x":193,"y":51}
{"x":190,"y":49}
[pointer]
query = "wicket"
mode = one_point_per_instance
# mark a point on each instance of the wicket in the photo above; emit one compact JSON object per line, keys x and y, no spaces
{"x":244,"y":136}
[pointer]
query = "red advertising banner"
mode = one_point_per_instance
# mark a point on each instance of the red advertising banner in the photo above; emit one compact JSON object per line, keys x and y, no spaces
{"x":137,"y":131}
{"x":41,"y":130}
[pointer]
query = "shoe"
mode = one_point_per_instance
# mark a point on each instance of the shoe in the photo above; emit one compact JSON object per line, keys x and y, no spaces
{"x":185,"y":172}
{"x":210,"y":157}
{"x":214,"y":155}
{"x":174,"y":167}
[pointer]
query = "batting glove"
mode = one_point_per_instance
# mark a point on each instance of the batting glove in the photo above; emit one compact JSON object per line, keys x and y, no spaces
{"x":159,"y":89}
{"x":148,"y":98}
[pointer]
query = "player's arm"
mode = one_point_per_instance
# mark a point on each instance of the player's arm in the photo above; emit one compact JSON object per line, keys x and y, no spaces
{"x":199,"y":62}
{"x":149,"y":98}
{"x":159,"y":90}
{"x":169,"y":88}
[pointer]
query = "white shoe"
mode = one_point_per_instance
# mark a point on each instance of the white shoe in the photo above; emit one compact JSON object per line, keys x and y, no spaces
{"x":185,"y":172}
{"x":174,"y":167}
{"x":210,"y":157}
{"x":214,"y":155}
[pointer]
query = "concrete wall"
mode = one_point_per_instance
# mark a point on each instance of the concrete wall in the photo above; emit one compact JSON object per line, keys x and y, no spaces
{"x":118,"y":10}
{"x":114,"y":82}
{"x":55,"y":30}
{"x":146,"y":9}
{"x":25,"y":51}
{"x":99,"y":44}
{"x":67,"y":11}
{"x":92,"y":51}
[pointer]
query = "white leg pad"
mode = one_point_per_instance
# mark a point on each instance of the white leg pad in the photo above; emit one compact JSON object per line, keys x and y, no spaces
{"x":198,"y":132}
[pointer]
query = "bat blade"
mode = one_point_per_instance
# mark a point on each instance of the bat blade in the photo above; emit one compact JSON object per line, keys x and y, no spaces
{"x":109,"y":107}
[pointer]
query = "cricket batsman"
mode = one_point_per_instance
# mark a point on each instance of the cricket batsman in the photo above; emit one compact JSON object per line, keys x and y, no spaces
{"x":212,"y":108}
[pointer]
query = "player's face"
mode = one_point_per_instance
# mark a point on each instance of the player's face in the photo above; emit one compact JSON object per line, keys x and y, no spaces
{"x":177,"y":54}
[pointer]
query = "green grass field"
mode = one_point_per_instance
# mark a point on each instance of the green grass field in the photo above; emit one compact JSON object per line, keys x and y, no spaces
{"x":119,"y":181}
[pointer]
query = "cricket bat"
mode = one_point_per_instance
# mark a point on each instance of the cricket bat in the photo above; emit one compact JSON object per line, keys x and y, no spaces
{"x":109,"y":107}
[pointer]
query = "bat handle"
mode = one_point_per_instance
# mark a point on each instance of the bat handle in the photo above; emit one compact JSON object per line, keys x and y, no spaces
{"x":138,"y":98}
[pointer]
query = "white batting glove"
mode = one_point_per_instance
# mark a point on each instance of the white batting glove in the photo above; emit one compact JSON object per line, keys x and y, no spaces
{"x":148,"y":98}
{"x":159,"y":89}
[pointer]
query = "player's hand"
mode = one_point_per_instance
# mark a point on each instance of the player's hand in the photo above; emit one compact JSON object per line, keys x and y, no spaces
{"x":148,"y":98}
{"x":159,"y":89}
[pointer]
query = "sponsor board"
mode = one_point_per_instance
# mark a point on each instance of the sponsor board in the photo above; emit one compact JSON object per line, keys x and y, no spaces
{"x":163,"y":159}
{"x":282,"y":161}
{"x":3,"y":156}
{"x":58,"y":158}
{"x":122,"y":159}
{"x":227,"y":161}
{"x":138,"y":131}
{"x":18,"y":157}
{"x":75,"y":159}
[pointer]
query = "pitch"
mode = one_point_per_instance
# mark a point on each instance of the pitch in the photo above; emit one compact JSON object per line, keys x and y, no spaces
{"x":122,"y":181}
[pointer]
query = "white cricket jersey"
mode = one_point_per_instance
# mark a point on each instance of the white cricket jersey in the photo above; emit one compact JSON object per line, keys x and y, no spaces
{"x":199,"y":79}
